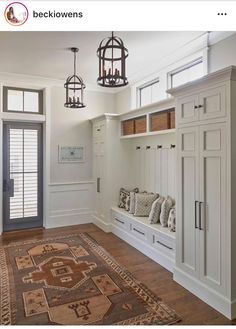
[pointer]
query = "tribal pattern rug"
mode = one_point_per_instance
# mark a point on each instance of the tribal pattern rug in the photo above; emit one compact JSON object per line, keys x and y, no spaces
{"x":72,"y":280}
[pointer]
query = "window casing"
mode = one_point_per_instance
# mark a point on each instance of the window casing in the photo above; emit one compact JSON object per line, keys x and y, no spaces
{"x":186,"y":73}
{"x":21,"y":100}
{"x":148,"y":93}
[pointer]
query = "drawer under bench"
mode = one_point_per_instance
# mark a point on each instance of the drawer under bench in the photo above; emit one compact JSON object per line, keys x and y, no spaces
{"x":153,"y":240}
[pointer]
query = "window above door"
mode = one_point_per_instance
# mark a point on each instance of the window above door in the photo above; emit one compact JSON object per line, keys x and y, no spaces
{"x":22,"y":100}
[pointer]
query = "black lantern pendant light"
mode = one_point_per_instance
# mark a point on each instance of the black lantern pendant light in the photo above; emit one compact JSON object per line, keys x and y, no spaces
{"x":112,"y":55}
{"x":74,"y":88}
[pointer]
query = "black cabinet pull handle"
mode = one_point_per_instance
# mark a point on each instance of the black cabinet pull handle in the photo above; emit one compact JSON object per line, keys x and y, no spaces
{"x":201,"y":218}
{"x":134,"y":229}
{"x":120,"y":221}
{"x":196,"y":226}
{"x":98,"y":185}
{"x":164,"y":245}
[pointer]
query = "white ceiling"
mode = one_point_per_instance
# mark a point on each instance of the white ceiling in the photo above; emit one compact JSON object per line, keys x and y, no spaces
{"x":46,"y":54}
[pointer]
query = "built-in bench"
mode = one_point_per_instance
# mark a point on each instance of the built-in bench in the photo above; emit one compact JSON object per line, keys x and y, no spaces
{"x":153,"y":240}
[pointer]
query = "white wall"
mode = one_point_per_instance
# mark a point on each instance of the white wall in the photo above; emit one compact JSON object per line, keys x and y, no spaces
{"x":222,"y":54}
{"x":71,"y":127}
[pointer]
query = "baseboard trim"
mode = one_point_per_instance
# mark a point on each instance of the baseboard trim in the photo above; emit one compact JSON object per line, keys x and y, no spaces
{"x":106,"y":227}
{"x":211,"y":297}
{"x":141,"y":246}
{"x":69,"y":219}
{"x":233,"y":308}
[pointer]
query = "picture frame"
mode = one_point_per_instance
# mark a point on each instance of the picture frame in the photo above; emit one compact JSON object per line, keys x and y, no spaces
{"x":71,"y":153}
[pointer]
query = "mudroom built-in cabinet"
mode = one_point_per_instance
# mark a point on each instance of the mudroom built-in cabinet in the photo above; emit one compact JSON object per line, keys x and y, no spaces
{"x":205,"y":265}
{"x":190,"y":155}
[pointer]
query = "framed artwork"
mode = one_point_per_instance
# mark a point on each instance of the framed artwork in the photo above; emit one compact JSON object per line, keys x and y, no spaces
{"x":71,"y":154}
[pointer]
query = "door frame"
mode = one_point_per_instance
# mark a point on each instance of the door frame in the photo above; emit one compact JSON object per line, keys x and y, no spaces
{"x":29,"y":222}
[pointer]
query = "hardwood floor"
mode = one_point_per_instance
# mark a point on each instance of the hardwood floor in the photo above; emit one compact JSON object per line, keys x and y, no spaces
{"x":191,"y":309}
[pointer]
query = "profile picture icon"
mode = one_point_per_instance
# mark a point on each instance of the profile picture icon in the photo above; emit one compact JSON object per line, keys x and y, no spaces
{"x":16,"y":13}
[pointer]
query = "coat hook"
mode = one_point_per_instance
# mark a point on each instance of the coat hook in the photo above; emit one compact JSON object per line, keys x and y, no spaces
{"x":159,"y":146}
{"x":172,"y":146}
{"x":148,"y":147}
{"x":138,"y":147}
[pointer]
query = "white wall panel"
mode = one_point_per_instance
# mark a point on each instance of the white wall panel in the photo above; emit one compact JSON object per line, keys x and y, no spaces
{"x":154,"y":169}
{"x":70,"y":204}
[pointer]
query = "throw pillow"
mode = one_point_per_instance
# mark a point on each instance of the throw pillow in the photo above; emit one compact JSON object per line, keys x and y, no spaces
{"x":165,"y":209}
{"x":124,"y":193}
{"x":172,"y":219}
{"x":154,"y":216}
{"x":143,"y":203}
{"x":127,"y":202}
{"x":132,"y":202}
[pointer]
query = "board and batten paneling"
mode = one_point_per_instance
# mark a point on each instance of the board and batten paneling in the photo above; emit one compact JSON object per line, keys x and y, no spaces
{"x":154,"y":169}
{"x":70,"y":203}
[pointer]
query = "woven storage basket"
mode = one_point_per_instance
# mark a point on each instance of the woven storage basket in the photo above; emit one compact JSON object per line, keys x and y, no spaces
{"x":140,"y":125}
{"x":128,"y":127}
{"x":160,"y":121}
{"x":172,"y":119}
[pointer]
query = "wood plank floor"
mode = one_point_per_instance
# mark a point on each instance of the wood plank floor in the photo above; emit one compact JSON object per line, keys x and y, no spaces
{"x":191,"y":309}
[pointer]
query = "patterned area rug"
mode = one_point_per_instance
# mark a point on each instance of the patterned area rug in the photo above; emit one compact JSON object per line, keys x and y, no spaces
{"x":72,"y":280}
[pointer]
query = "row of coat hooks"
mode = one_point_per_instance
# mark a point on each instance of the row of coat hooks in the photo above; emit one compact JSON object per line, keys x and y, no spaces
{"x":172,"y":146}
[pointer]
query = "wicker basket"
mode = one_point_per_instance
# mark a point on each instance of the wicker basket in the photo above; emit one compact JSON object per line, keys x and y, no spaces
{"x":140,"y":125}
{"x":160,"y":121}
{"x":172,"y":119}
{"x":128,"y":127}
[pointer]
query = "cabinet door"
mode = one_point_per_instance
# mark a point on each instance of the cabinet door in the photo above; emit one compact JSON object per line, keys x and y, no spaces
{"x":187,"y":241}
{"x":187,"y":109}
{"x":99,"y":131}
{"x":212,"y":103}
{"x":213,"y":256}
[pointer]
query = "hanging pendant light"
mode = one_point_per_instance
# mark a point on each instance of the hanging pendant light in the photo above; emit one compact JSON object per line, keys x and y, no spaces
{"x":112,"y":55}
{"x":74,"y":88}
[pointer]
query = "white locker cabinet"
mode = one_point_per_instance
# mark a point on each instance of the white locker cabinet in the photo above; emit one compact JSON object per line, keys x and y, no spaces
{"x":202,"y":191}
{"x":206,"y":189}
{"x":107,"y":168}
{"x":187,"y":236}
{"x":208,"y":104}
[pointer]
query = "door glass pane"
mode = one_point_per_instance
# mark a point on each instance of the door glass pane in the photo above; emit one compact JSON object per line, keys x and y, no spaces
{"x":30,"y":195}
{"x":30,"y":150}
{"x":16,"y":202}
{"x":31,"y":101}
{"x":15,"y":100}
{"x":16,"y":150}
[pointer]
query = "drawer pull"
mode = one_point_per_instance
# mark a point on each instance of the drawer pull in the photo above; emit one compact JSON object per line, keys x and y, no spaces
{"x":120,"y":221}
{"x":164,"y":245}
{"x":134,"y":229}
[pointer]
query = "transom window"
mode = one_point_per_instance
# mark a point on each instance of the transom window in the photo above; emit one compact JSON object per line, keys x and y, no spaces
{"x":186,"y":73}
{"x":148,"y":93}
{"x":22,"y":100}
